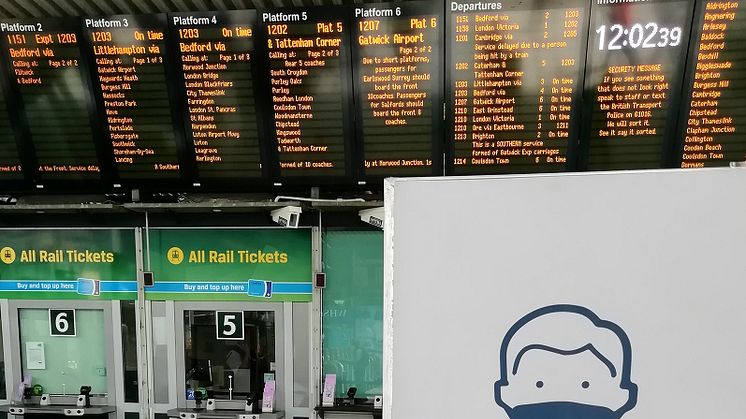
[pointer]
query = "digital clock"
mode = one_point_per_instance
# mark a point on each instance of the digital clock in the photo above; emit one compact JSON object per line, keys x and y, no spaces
{"x":649,"y":35}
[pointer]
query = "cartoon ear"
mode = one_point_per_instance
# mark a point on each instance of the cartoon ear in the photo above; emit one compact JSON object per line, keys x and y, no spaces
{"x":626,"y":400}
{"x":499,"y":393}
{"x":631,"y":389}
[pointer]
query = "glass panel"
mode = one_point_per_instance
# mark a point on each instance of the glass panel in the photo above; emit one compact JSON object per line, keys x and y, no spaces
{"x":160,"y":336}
{"x":3,"y":393}
{"x":62,"y":364}
{"x":301,"y":357}
{"x":129,"y":350}
{"x":353,"y":310}
{"x":213,"y":364}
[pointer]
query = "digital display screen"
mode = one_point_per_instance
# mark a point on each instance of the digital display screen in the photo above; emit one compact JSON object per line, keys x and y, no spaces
{"x":50,"y":84}
{"x":515,"y":73}
{"x":715,"y":104}
{"x":130,"y":62}
{"x":309,"y":73}
{"x":11,"y":168}
{"x":217,"y":65}
{"x":636,"y":58}
{"x":397,"y":67}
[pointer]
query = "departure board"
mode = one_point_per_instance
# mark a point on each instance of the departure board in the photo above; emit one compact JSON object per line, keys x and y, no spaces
{"x":515,"y":74}
{"x":217,"y":58}
{"x":130,"y":70}
{"x":50,"y":84}
{"x":309,"y":72}
{"x":714,"y":122}
{"x":636,"y":57}
{"x":398,"y":88}
{"x":11,"y":168}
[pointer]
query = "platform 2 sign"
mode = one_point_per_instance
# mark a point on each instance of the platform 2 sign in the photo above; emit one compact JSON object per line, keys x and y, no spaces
{"x":230,"y":265}
{"x":65,"y":264}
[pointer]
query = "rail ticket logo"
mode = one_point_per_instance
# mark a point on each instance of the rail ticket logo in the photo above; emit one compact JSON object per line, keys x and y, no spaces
{"x":7,"y":255}
{"x":175,"y":255}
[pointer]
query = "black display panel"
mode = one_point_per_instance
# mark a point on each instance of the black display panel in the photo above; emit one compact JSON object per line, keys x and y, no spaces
{"x":636,"y":57}
{"x":11,"y":164}
{"x":50,"y":87}
{"x":308,"y":68}
{"x":515,"y":71}
{"x":713,"y":122}
{"x":130,"y":67}
{"x":217,"y":62}
{"x":398,"y":88}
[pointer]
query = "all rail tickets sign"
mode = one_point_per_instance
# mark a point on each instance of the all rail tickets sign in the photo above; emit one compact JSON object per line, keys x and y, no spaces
{"x":66,"y":264}
{"x":230,"y":264}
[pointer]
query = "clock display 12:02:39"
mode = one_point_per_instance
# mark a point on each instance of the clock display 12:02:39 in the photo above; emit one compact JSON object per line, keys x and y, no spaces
{"x":649,"y":35}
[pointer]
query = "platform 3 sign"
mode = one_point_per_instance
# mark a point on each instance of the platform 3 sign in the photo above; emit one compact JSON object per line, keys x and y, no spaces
{"x":66,"y":264}
{"x":230,"y":264}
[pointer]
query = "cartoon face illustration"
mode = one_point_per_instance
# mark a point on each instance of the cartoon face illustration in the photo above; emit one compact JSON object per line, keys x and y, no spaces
{"x":564,"y":362}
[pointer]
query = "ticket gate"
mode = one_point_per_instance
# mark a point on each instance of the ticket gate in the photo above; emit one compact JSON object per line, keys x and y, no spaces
{"x":70,"y":358}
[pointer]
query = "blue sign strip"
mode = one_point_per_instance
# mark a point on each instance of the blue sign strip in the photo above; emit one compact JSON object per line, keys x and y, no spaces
{"x":118,"y":286}
{"x":82,"y":286}
{"x":44,"y":286}
{"x":254,"y":288}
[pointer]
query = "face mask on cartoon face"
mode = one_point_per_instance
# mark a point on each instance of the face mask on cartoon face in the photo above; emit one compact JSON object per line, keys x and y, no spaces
{"x":562,"y":410}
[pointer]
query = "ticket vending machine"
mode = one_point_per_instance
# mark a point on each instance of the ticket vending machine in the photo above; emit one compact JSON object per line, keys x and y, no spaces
{"x":229,"y":353}
{"x":65,"y":351}
{"x":230,"y":332}
{"x":69,"y":322}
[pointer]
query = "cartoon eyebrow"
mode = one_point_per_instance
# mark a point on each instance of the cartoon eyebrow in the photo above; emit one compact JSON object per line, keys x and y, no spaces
{"x":588,"y":347}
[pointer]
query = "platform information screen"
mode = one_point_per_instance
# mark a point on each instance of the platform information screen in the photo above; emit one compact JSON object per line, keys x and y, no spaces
{"x":130,"y":78}
{"x":636,"y":58}
{"x":309,"y":72}
{"x":11,"y":168}
{"x":217,"y":66}
{"x":49,"y":82}
{"x":515,"y":73}
{"x":398,"y":87}
{"x":715,"y":100}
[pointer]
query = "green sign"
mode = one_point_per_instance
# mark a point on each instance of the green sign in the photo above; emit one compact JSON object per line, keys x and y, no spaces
{"x":68,"y":264}
{"x":230,"y":264}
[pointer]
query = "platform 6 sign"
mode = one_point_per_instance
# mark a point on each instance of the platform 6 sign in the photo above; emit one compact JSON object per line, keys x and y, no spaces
{"x":62,"y":322}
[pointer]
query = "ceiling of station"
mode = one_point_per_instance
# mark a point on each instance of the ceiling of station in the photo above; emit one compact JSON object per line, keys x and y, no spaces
{"x":58,"y":8}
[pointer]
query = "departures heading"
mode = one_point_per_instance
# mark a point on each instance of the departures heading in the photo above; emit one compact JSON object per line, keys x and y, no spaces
{"x":231,"y":100}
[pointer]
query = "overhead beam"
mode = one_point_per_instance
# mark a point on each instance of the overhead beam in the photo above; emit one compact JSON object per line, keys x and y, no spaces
{"x":143,"y":7}
{"x":241,"y":4}
{"x":49,"y":8}
{"x":8,"y":12}
{"x":219,"y":4}
{"x":124,"y":6}
{"x":201,"y":5}
{"x":181,"y":5}
{"x":86,"y":7}
{"x":15,"y":12}
{"x":162,"y":6}
{"x":27,"y":7}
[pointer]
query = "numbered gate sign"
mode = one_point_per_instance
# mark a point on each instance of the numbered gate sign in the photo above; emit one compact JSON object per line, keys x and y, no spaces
{"x":229,"y":325}
{"x":62,"y":322}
